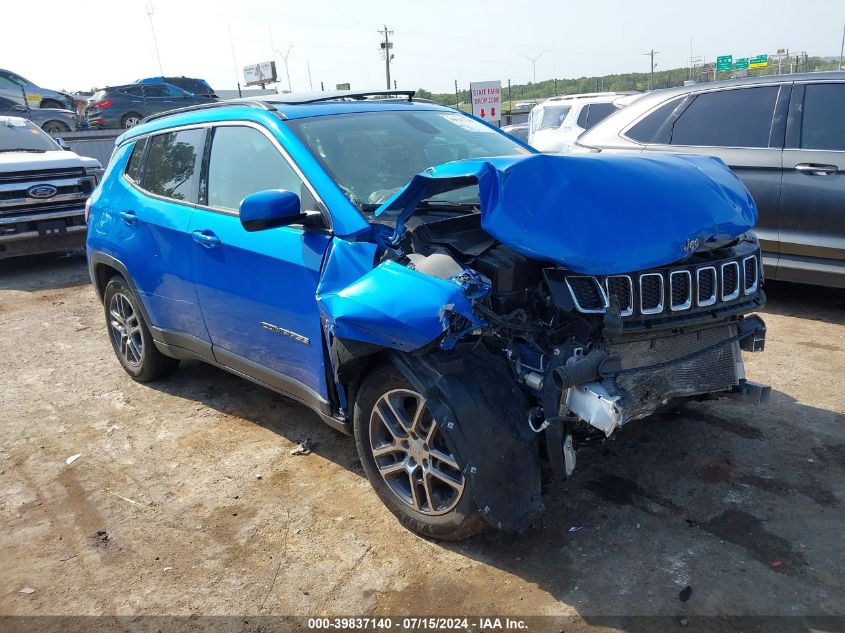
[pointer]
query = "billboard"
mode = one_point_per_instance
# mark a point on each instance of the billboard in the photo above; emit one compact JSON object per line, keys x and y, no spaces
{"x":486,"y":100}
{"x":261,"y":73}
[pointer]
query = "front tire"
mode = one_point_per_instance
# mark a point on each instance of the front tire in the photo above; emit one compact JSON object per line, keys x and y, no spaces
{"x":130,"y":337}
{"x":130,"y":120}
{"x":407,"y":462}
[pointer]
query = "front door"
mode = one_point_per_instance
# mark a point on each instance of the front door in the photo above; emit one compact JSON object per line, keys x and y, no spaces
{"x":812,"y":214}
{"x":257,"y":290}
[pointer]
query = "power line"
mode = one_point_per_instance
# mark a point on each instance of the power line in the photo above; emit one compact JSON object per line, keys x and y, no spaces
{"x":387,"y":51}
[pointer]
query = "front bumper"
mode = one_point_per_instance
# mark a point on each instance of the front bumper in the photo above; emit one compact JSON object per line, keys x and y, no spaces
{"x":641,"y":374}
{"x":41,"y":234}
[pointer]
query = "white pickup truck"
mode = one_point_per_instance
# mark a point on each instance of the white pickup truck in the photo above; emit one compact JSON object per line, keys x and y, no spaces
{"x":43,"y":189}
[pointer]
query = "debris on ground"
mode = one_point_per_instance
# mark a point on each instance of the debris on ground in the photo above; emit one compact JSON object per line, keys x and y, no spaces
{"x":304,"y":447}
{"x":167,"y":569}
{"x":67,"y":557}
{"x":72,"y":458}
{"x":685,"y":593}
{"x":776,"y":563}
{"x":101,"y":537}
{"x":27,"y":590}
{"x":575,"y":529}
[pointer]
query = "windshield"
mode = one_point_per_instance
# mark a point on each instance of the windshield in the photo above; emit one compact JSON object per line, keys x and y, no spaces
{"x":373,"y":155}
{"x":20,"y":135}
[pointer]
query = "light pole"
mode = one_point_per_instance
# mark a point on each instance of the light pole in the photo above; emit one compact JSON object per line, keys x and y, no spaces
{"x":842,"y":48}
{"x":533,"y":61}
{"x":285,"y":59}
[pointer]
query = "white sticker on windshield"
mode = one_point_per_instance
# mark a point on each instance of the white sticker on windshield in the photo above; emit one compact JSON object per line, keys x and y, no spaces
{"x":465,"y":122}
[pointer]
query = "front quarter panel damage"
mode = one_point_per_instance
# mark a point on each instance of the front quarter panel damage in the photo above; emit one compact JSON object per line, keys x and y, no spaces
{"x":390,"y":304}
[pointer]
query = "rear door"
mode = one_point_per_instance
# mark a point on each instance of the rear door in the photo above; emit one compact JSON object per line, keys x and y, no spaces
{"x":160,"y":186}
{"x":258,"y":290}
{"x":812,"y":212}
{"x":743,"y":126}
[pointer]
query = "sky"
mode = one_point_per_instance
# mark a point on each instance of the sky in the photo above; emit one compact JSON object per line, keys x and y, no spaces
{"x":91,"y":43}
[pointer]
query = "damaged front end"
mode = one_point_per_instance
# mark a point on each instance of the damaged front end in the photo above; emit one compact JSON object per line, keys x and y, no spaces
{"x":565,"y":308}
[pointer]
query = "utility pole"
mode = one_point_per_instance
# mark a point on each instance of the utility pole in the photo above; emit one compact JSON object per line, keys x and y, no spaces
{"x":386,"y":50}
{"x":234,"y":60}
{"x":457,"y":103}
{"x":651,"y":54}
{"x":310,"y":84}
{"x":533,"y":61}
{"x":510,"y":101}
{"x":842,"y":47}
{"x":155,"y":41}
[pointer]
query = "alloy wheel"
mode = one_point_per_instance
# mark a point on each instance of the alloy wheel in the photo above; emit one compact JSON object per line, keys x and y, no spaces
{"x":411,"y":456}
{"x":131,"y":121}
{"x":126,"y":329}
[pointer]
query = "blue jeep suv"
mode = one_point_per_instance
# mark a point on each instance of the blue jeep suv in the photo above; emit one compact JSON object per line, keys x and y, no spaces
{"x":469,"y":310}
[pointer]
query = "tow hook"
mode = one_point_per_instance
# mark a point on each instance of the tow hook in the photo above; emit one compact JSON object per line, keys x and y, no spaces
{"x":751,"y":392}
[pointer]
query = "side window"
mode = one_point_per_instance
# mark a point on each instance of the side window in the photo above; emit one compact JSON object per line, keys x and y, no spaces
{"x":598,"y":111}
{"x":582,"y":117}
{"x":153,"y":90}
{"x":244,"y":161}
{"x":173,"y":164}
{"x":134,"y":91}
{"x":823,"y":126}
{"x":647,"y":129}
{"x":135,"y":163}
{"x":728,"y":118}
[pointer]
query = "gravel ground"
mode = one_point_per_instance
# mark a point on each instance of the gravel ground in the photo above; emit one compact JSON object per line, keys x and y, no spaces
{"x":185,"y":498}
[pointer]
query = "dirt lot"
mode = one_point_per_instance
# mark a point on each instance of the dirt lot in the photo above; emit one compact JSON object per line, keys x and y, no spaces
{"x":186,"y":499}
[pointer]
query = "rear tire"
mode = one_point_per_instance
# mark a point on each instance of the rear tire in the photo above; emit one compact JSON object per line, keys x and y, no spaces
{"x":129,"y":335}
{"x":55,"y":127}
{"x":130,"y":120}
{"x":407,"y":462}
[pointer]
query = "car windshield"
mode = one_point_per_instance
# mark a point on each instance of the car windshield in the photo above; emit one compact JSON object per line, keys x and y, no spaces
{"x":373,"y":155}
{"x":19,"y":135}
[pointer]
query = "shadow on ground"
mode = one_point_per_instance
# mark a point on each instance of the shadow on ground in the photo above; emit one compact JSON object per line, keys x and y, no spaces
{"x":711,"y":496}
{"x":806,"y":302}
{"x":51,"y":271}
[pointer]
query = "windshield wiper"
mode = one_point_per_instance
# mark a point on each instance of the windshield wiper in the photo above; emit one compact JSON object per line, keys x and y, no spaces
{"x":23,"y":149}
{"x":447,"y":205}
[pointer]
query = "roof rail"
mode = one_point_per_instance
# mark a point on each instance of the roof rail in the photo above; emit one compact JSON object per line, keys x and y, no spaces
{"x":336,"y":95}
{"x":251,"y":103}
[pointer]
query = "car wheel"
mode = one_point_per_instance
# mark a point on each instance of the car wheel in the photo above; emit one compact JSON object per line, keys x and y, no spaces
{"x":407,"y":462}
{"x":55,"y":127}
{"x":130,"y":337}
{"x":130,"y":120}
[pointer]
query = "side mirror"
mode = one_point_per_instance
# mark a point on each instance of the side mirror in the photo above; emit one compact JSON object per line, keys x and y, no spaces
{"x":269,"y":209}
{"x":63,"y":144}
{"x":19,"y":108}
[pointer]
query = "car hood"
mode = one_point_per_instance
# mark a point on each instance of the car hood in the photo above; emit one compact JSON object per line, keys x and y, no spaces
{"x":58,"y":159}
{"x":596,"y":214}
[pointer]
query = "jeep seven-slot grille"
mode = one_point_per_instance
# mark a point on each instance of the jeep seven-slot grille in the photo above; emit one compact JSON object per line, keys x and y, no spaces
{"x":658,"y":292}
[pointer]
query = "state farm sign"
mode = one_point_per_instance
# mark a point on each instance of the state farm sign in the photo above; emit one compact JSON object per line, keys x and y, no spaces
{"x":486,"y":100}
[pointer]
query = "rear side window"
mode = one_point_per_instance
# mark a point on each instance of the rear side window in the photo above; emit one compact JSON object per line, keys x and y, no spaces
{"x":728,"y":118}
{"x":548,"y":117}
{"x":136,"y":161}
{"x":651,"y":129}
{"x":243,"y":161}
{"x":173,"y":164}
{"x":599,"y":111}
{"x":823,"y":126}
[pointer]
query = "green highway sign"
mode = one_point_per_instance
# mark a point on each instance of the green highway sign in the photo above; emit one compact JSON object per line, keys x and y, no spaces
{"x":760,"y":61}
{"x":724,"y":62}
{"x":741,"y":63}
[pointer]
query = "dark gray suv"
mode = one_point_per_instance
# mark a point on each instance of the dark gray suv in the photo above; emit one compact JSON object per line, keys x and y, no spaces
{"x":783,"y":135}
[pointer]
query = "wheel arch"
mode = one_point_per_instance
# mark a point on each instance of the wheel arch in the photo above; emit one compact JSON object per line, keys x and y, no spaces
{"x":103,"y":267}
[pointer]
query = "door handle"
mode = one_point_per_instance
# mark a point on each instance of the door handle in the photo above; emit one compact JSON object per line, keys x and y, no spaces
{"x":815,"y":169}
{"x":206,"y":238}
{"x":128,"y":216}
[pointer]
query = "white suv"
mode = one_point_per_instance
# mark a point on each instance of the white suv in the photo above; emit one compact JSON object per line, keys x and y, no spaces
{"x":555,"y":123}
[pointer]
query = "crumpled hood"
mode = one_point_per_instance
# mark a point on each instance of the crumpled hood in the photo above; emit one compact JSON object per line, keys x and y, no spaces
{"x":596,"y":214}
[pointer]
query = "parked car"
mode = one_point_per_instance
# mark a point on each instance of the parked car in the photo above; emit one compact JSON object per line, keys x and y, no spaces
{"x":407,"y":272}
{"x":52,"y":121}
{"x":783,"y":135}
{"x":189,"y":84}
{"x":555,"y":123}
{"x":23,"y":91}
{"x":126,"y":106}
{"x":519,"y":130}
{"x":43,"y":190}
